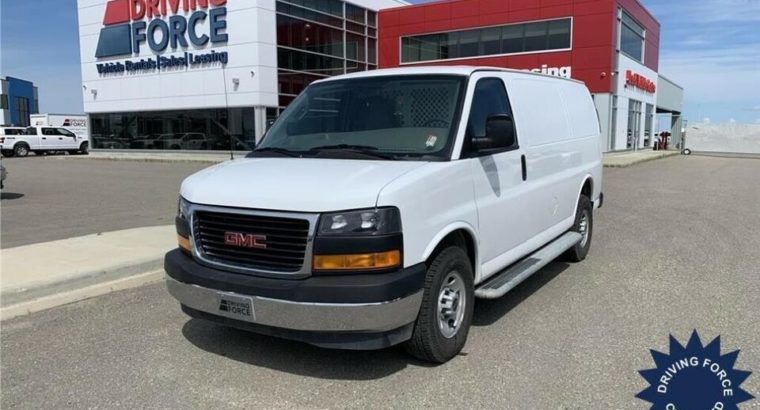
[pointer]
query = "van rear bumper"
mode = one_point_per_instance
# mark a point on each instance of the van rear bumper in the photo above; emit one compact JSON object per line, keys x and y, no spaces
{"x":358,"y":311}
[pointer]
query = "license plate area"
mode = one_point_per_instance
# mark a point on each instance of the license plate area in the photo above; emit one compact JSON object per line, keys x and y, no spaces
{"x":235,"y":306}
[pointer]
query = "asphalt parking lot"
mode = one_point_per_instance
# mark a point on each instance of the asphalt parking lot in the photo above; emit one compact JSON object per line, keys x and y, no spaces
{"x":48,"y":197}
{"x":675,"y":248}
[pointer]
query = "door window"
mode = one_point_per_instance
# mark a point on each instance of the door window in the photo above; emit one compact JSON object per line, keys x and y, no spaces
{"x":490,"y":98}
{"x":65,"y":132}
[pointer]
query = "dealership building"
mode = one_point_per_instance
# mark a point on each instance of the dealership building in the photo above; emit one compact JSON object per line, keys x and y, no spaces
{"x":211,"y":74}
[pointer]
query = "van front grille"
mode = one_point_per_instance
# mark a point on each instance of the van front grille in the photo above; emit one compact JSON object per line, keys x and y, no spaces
{"x":252,"y":242}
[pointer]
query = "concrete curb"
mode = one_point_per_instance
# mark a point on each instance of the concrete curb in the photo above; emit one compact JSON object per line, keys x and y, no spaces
{"x":93,"y":278}
{"x":625,"y":162}
{"x":76,"y":295}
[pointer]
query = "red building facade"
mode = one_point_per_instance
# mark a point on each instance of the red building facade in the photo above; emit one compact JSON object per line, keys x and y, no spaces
{"x":599,"y":42}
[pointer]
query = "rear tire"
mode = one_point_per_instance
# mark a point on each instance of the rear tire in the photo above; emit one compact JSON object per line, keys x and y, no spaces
{"x":584,"y":224}
{"x":440,"y":331}
{"x":21,"y":150}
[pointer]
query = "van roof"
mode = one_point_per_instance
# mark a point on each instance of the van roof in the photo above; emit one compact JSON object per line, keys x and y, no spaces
{"x":439,"y":69}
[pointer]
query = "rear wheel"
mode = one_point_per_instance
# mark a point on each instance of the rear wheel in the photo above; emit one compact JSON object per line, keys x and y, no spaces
{"x":443,"y":322}
{"x":584,"y":224}
{"x":21,"y":150}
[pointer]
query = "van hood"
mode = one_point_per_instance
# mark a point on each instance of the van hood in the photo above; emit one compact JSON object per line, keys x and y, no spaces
{"x":294,"y":184}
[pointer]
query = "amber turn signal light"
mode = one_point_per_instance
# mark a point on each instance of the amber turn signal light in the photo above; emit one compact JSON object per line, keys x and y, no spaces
{"x":360,"y":261}
{"x":184,"y":244}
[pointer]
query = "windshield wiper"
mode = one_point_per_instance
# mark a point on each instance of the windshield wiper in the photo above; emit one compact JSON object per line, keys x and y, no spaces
{"x":362,"y":149}
{"x":283,"y":151}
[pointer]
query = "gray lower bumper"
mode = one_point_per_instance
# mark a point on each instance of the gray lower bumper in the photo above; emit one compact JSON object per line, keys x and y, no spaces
{"x":318,"y":317}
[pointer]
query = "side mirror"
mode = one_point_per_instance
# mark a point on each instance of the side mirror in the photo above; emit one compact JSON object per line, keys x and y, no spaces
{"x":500,"y":133}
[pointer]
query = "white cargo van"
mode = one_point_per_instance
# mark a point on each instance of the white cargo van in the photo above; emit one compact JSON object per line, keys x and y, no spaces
{"x":381,"y":204}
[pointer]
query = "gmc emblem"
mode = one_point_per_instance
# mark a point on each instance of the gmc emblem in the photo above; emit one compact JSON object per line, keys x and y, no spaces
{"x":245,"y":240}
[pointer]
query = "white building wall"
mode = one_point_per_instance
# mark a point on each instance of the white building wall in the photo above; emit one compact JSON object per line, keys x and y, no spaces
{"x":252,"y":65}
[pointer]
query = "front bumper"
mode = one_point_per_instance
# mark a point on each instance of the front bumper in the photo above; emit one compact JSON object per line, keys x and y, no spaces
{"x":357,"y":311}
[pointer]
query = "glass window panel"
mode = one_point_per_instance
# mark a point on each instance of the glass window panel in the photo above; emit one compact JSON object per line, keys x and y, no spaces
{"x":430,"y":46}
{"x":449,"y":45}
{"x":631,"y":44}
{"x":490,"y":41}
{"x":559,"y":34}
{"x":535,"y":36}
{"x":355,"y":13}
{"x":469,"y":43}
{"x":634,"y":26}
{"x":512,"y":39}
{"x":355,"y":48}
{"x":371,"y":18}
{"x":372,"y":50}
{"x":357,"y":28}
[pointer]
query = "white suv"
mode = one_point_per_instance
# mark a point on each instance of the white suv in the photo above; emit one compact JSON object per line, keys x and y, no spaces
{"x":19,"y":142}
{"x":381,"y":204}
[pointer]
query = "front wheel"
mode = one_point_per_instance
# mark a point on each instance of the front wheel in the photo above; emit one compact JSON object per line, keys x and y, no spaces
{"x":84,"y":149}
{"x":21,"y":150}
{"x":443,"y":322}
{"x":584,"y":224}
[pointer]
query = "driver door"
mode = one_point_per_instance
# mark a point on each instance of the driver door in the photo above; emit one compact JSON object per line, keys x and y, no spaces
{"x":498,"y":177}
{"x":65,"y":139}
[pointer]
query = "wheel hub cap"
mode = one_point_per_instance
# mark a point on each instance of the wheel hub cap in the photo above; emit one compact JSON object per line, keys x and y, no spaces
{"x":451,"y":305}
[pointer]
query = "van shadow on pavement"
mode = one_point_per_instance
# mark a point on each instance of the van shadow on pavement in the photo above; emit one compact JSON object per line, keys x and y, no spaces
{"x":6,"y":196}
{"x":489,"y":311}
{"x":306,"y":360}
{"x":295,"y":357}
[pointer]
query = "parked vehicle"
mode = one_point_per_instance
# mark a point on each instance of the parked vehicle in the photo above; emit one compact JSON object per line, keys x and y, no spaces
{"x":76,"y":123}
{"x":19,"y":142}
{"x":381,"y":204}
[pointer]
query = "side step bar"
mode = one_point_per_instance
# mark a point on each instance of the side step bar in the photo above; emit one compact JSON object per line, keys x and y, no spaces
{"x":510,"y":277}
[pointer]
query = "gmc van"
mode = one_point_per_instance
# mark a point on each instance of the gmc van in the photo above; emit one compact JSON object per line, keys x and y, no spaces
{"x":381,"y":204}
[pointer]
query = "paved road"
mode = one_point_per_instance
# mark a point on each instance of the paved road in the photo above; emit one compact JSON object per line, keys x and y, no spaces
{"x":675,"y":248}
{"x":49,"y":198}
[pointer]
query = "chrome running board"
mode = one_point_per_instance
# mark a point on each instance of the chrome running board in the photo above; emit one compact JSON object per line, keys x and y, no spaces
{"x":510,"y":277}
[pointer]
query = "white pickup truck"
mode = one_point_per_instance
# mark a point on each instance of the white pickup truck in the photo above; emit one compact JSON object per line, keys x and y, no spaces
{"x":381,"y":204}
{"x":19,"y":142}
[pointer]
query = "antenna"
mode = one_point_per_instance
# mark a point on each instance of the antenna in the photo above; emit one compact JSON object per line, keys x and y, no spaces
{"x":227,"y":111}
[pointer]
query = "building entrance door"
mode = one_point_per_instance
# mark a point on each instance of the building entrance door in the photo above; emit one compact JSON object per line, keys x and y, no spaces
{"x":634,"y":124}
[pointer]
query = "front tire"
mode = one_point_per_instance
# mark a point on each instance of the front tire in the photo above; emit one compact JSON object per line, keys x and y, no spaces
{"x":21,"y":150}
{"x":84,"y":149}
{"x":584,"y":224}
{"x":443,"y":322}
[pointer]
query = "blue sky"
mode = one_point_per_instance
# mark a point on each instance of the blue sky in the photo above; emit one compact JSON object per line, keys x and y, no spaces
{"x":711,"y":47}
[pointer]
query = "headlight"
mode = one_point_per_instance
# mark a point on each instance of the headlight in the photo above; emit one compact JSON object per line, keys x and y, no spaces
{"x":374,"y":221}
{"x":183,"y":209}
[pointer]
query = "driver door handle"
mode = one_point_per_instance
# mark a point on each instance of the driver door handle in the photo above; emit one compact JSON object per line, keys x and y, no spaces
{"x":524,"y":168}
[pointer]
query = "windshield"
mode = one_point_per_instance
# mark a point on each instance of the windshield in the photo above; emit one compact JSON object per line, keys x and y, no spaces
{"x":393,"y":117}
